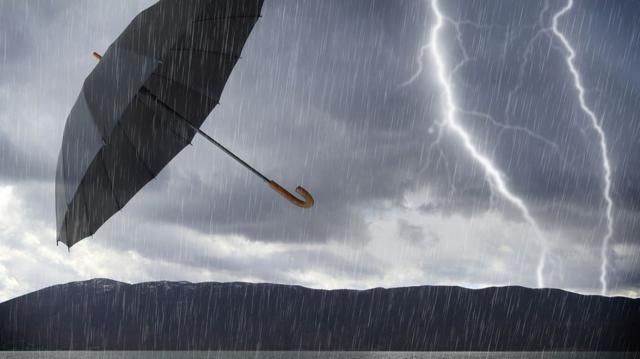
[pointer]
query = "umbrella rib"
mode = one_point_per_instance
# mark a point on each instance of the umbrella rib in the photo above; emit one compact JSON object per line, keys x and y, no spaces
{"x":187,"y":86}
{"x":86,"y":208}
{"x":135,"y":150}
{"x":185,"y":140}
{"x":145,"y":90}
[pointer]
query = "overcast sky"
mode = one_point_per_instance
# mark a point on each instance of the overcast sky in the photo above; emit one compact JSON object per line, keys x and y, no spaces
{"x":323,"y":97}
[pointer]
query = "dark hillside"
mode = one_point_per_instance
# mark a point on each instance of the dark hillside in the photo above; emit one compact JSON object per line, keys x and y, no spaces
{"x":104,"y":314}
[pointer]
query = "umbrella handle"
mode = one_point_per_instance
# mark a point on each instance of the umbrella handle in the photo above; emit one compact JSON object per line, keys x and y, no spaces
{"x":308,"y":199}
{"x":97,"y":55}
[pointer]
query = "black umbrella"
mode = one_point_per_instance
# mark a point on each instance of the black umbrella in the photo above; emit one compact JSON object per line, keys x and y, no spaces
{"x":144,"y":102}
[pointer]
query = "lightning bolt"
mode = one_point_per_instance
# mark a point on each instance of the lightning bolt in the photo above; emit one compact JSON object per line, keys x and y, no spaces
{"x":493,"y":175}
{"x":601,"y":136}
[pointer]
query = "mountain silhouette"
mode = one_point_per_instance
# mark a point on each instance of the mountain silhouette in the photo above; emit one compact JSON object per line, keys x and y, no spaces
{"x":102,"y":314}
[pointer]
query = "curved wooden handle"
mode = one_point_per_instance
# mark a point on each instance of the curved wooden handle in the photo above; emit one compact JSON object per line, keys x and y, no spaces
{"x":308,"y":199}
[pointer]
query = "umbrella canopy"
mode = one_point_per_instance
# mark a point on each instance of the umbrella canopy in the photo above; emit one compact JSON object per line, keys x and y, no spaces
{"x":143,"y":103}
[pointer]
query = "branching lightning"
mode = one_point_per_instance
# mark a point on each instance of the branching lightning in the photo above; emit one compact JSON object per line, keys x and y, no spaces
{"x":601,"y":136}
{"x":493,"y":175}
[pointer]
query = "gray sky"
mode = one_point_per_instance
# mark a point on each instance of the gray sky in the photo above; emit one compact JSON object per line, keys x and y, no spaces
{"x":320,"y":98}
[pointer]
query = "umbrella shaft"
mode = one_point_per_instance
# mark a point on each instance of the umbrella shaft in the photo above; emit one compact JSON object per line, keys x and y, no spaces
{"x":146,"y":91}
{"x":233,"y":155}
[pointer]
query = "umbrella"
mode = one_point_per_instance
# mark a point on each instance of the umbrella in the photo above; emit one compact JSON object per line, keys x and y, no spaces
{"x":144,"y":102}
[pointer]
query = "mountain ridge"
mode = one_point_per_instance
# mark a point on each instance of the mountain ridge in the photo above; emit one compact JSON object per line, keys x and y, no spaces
{"x":320,"y":289}
{"x":168,"y":315}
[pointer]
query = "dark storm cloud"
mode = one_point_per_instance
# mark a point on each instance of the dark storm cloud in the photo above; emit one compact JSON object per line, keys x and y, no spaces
{"x":16,"y":164}
{"x":17,"y":35}
{"x":21,"y":25}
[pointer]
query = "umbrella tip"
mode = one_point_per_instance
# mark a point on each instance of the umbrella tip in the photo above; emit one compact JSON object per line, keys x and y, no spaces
{"x":97,"y":55}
